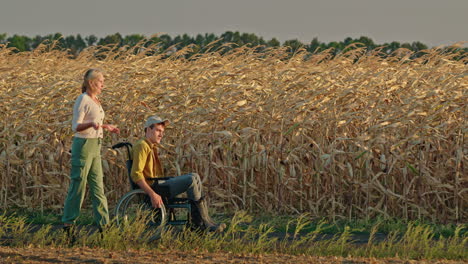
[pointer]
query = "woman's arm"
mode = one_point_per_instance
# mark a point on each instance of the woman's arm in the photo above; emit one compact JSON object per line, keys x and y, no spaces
{"x":83,"y":126}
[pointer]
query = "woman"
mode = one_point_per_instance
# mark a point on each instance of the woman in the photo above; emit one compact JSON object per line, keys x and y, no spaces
{"x":88,"y":125}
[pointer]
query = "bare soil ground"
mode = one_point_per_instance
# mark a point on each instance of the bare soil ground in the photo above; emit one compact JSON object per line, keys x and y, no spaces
{"x":96,"y":255}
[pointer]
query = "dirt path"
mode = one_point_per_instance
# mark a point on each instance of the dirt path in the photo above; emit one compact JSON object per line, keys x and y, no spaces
{"x":88,"y":255}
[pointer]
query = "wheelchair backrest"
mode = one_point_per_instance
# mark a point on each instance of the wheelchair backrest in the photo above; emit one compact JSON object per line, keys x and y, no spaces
{"x":129,"y":171}
{"x":129,"y":162}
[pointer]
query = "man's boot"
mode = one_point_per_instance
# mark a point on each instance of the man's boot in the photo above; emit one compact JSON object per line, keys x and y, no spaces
{"x":202,"y":220}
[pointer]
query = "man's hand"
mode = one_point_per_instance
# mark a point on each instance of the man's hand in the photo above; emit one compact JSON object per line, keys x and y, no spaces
{"x":156,"y":200}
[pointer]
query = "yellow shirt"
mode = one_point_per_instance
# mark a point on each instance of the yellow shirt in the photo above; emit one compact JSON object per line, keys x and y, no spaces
{"x":146,"y":162}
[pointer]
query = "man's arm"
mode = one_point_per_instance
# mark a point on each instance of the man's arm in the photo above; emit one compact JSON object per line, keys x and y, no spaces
{"x":140,"y":155}
{"x":156,"y":199}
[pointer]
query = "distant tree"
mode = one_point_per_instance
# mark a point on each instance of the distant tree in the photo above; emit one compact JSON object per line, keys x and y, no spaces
{"x":418,"y":46}
{"x":227,"y":36}
{"x":58,"y":36}
{"x":199,"y":40}
{"x":209,"y":38}
{"x":314,"y":45}
{"x":177,"y":40}
{"x":187,"y":40}
{"x":36,"y":41}
{"x":251,"y":39}
{"x":392,"y":47}
{"x":70,"y":43}
{"x":406,"y":46}
{"x":77,"y":43}
{"x":166,"y":41}
{"x":74,"y":44}
{"x":58,"y":39}
{"x":273,"y":43}
{"x":236,"y":38}
{"x":132,"y":40}
{"x":261,"y":41}
{"x":22,"y":43}
{"x":155,"y":43}
{"x":183,"y":40}
{"x":418,"y":49}
{"x":91,"y":40}
{"x":369,"y":43}
{"x":111,"y":39}
{"x":348,"y":41}
{"x":336,"y":46}
{"x":3,"y":38}
{"x":153,"y":40}
{"x":294,"y":44}
{"x":80,"y":44}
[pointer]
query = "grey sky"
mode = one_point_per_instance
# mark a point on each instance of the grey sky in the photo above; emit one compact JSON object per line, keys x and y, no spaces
{"x":433,"y":22}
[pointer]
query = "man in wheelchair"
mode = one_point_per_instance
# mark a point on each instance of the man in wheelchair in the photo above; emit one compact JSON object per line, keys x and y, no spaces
{"x":146,"y":164}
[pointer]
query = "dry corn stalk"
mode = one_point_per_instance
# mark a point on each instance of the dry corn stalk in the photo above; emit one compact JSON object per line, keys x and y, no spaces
{"x":352,"y":136}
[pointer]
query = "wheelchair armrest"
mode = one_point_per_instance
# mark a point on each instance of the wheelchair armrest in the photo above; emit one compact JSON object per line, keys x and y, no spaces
{"x":121,"y":144}
{"x":160,"y":179}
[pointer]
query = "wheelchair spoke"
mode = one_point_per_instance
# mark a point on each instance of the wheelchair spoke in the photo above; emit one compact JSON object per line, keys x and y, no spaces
{"x":135,"y":206}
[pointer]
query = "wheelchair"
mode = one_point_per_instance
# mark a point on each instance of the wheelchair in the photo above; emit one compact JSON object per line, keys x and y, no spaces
{"x":136,"y":204}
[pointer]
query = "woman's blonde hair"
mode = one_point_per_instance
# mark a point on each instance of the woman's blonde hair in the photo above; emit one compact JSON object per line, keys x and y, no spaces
{"x":90,"y":74}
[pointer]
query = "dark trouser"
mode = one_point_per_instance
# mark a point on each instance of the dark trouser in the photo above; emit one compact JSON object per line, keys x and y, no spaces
{"x":189,"y":183}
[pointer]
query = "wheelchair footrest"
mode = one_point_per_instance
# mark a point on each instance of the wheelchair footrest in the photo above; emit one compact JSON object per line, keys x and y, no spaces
{"x":177,"y":222}
{"x":187,"y":206}
{"x":179,"y":200}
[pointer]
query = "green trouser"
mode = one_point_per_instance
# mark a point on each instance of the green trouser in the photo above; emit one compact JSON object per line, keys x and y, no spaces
{"x":86,"y":167}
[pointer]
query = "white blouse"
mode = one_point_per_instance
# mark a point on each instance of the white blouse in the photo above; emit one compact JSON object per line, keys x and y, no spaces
{"x":86,"y":110}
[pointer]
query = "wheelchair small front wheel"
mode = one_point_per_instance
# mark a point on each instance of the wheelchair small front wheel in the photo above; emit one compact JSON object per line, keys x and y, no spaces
{"x":136,"y":206}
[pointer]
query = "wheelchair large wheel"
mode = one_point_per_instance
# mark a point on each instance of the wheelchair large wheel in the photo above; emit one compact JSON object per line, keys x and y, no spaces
{"x":136,"y":206}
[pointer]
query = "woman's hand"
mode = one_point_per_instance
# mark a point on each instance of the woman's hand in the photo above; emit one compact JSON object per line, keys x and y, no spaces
{"x":111,"y":128}
{"x":95,"y":125}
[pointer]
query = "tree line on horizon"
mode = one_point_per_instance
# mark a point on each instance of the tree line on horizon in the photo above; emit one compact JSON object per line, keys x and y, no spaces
{"x":76,"y":43}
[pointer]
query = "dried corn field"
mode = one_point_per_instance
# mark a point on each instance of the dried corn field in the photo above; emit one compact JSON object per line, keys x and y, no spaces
{"x":356,"y":135}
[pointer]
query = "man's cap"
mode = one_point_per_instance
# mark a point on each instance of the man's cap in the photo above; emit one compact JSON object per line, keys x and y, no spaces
{"x":156,"y":120}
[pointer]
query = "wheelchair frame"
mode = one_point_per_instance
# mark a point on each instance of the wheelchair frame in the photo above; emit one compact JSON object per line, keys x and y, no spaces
{"x":158,"y":217}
